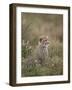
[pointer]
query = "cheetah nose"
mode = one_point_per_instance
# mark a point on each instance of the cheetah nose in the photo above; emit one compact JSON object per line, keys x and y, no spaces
{"x":47,"y":42}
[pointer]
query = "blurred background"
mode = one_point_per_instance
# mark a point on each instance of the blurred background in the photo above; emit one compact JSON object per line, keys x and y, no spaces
{"x":33,"y":26}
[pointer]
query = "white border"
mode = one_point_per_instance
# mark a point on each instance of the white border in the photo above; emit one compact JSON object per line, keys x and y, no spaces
{"x":63,"y":77}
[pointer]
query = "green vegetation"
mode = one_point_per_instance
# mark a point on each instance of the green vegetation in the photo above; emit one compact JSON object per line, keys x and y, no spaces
{"x":33,"y":26}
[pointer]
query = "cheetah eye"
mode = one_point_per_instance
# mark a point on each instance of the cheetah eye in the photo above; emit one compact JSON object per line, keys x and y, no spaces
{"x":40,"y":39}
{"x":45,"y":40}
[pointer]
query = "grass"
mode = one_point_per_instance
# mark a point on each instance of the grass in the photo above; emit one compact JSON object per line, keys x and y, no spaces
{"x":54,"y":64}
{"x":33,"y":26}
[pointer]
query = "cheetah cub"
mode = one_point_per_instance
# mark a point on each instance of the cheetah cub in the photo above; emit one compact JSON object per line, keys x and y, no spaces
{"x":42,"y":50}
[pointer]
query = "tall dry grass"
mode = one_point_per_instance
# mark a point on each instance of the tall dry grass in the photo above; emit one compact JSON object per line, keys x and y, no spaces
{"x":33,"y":26}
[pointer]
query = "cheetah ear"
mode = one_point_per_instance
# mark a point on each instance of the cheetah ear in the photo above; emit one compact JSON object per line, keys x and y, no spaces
{"x":47,"y":37}
{"x":40,"y":40}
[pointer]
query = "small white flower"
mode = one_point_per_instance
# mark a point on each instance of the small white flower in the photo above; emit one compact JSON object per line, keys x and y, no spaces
{"x":23,"y":42}
{"x":52,"y":64}
{"x":35,"y":61}
{"x":30,"y":47}
{"x":27,"y":42}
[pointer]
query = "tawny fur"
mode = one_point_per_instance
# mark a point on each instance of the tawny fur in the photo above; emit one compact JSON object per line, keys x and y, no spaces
{"x":42,"y":50}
